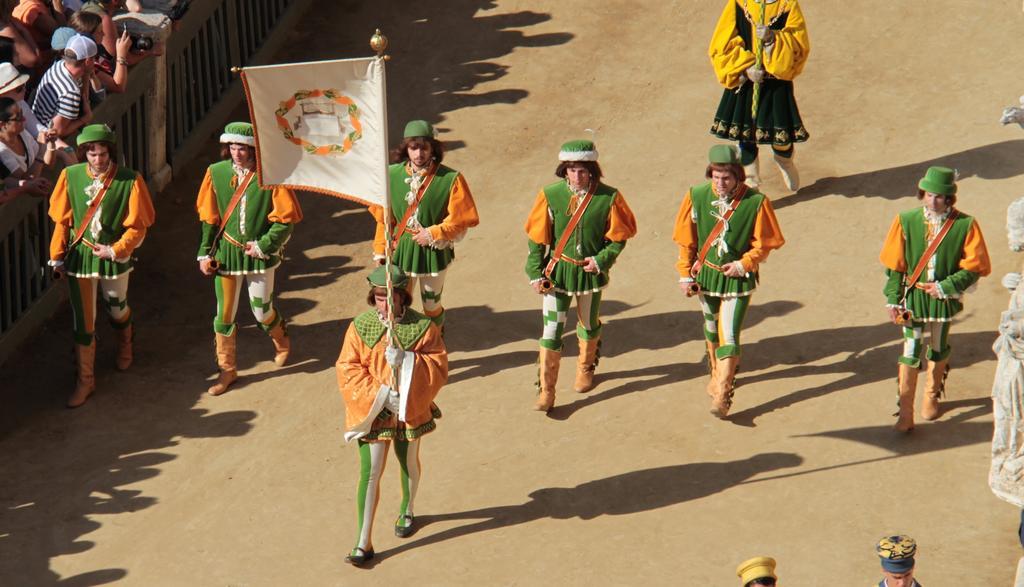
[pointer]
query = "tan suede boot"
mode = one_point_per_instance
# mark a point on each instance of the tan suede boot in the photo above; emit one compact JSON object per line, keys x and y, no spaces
{"x":124,"y":347}
{"x":907,"y":381}
{"x":282,"y":344}
{"x":85,"y":356}
{"x":934,"y":387}
{"x":725,"y":377}
{"x":548,"y":378}
{"x":712,"y":366}
{"x":587,"y":364}
{"x":226,"y":361}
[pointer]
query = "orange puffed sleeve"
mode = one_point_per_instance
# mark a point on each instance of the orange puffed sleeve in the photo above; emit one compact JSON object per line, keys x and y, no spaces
{"x":379,"y":238}
{"x":462,"y":214}
{"x":139,"y":218}
{"x":975,"y":257}
{"x":63,"y":218}
{"x":621,"y":222}
{"x":893,"y":251}
{"x":685,"y":235}
{"x":286,"y":209}
{"x":766,"y":236}
{"x":206,"y":201}
{"x":538,"y":223}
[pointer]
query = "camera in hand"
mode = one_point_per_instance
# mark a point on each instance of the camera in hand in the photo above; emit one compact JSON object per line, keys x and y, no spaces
{"x":140,"y":43}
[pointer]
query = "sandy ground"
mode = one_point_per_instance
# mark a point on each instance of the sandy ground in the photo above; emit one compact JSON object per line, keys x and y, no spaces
{"x":156,"y":483}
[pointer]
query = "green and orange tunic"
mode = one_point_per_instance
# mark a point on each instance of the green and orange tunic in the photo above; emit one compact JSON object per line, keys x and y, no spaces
{"x":364,"y":376}
{"x":124,"y":215}
{"x":960,"y":260}
{"x":751,"y":233}
{"x":266,"y":217}
{"x":446,"y":210}
{"x":606,"y":225}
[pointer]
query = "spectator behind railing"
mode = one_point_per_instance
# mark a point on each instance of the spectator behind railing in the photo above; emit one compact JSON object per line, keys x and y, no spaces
{"x":24,"y":51}
{"x":40,"y":18}
{"x":106,"y":9}
{"x":13,"y":85}
{"x":62,"y":100}
{"x":21,"y":158}
{"x":109,"y":73}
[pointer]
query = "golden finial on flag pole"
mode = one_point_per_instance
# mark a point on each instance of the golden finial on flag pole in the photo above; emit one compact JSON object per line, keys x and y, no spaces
{"x":379,"y":43}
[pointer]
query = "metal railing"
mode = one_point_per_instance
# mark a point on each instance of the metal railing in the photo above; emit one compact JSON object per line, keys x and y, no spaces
{"x":172,"y":105}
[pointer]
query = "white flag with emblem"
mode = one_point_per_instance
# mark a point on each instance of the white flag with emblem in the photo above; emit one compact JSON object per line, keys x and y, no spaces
{"x":321,"y":126}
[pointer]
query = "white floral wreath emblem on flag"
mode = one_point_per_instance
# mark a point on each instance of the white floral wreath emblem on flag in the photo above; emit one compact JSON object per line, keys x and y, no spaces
{"x":319,"y":128}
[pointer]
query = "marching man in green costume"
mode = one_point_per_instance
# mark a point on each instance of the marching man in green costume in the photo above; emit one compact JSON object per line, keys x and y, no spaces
{"x":724,"y":230}
{"x":577,"y":228}
{"x":244,"y":230}
{"x":101,"y":213}
{"x":932,"y":255}
{"x":431,"y":209}
{"x":389,"y":386}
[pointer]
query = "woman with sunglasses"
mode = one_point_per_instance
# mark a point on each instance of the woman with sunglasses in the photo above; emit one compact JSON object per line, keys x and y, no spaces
{"x":22,"y":159}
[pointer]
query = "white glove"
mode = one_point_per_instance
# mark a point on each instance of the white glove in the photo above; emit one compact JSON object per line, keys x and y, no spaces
{"x":394,"y":356}
{"x":392,"y":403}
{"x":755,"y":75}
{"x":105,"y":252}
{"x":1011,"y":281}
{"x":765,"y":34}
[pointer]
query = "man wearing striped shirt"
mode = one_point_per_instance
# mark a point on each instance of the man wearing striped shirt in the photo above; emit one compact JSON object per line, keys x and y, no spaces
{"x":62,"y":100}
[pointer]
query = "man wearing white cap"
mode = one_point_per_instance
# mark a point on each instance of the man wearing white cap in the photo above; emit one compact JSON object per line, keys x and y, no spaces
{"x":577,"y":228}
{"x":62,"y":103}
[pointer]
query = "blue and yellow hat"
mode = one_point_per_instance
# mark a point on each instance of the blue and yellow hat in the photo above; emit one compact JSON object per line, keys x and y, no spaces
{"x":897,"y":553}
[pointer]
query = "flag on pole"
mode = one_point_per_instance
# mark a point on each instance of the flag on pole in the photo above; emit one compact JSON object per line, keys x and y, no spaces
{"x":321,"y":126}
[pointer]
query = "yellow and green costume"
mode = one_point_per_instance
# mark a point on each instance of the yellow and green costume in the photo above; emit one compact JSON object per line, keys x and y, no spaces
{"x":733,"y":51}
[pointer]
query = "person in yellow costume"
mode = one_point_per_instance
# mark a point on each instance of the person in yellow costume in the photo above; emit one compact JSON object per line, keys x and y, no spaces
{"x":758,"y":48}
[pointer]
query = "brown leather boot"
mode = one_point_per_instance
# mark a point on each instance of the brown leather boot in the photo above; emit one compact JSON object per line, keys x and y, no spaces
{"x":124,"y":347}
{"x":907,"y":381}
{"x":725,"y":378}
{"x":85,"y":356}
{"x":548,"y":378}
{"x":282,"y":344}
{"x":934,"y":387}
{"x":712,"y":365}
{"x":587,"y":364}
{"x":226,"y":361}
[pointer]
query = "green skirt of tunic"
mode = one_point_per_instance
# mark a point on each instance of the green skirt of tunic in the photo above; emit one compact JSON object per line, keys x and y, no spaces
{"x":925,"y":308}
{"x":778,"y":118}
{"x":571,"y":279}
{"x":234,"y":261}
{"x":715,"y":283}
{"x":417,"y":260}
{"x":82,"y":263}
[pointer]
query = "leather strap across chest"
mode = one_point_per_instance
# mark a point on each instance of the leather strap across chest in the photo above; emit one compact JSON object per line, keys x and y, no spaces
{"x":556,"y":254}
{"x":91,"y":210}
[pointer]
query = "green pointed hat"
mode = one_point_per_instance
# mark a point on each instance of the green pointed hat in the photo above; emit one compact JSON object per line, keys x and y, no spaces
{"x":581,"y":150}
{"x":378,"y":277}
{"x":724,"y":155}
{"x":95,"y":133}
{"x":419,"y":128}
{"x":239,"y":132}
{"x":939,"y":180}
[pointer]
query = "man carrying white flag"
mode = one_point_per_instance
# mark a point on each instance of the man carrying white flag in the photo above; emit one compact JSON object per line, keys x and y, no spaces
{"x":431,"y":209}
